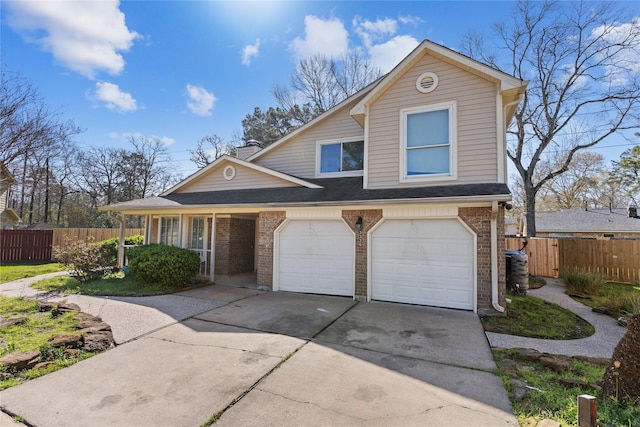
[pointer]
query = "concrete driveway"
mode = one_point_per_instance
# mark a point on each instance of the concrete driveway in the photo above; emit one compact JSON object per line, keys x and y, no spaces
{"x":282,"y":359}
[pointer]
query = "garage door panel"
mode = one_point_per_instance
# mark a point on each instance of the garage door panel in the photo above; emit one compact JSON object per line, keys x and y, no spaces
{"x":316,"y":257}
{"x":423,"y":261}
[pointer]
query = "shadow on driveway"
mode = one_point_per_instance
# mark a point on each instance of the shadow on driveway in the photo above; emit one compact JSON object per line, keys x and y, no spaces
{"x":282,"y":359}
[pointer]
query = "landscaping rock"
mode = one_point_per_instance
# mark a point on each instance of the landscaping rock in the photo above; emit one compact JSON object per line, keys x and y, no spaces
{"x":548,"y":423}
{"x":602,"y":310}
{"x":43,"y":365}
{"x":98,"y":341}
{"x":520,"y":390}
{"x":72,"y":352}
{"x":601,"y":361}
{"x":66,"y":340}
{"x":507,"y":363}
{"x":21,"y":360}
{"x":5,"y":323}
{"x":622,"y":378}
{"x":556,"y":364}
{"x":46,"y":306}
{"x":93,"y":325}
{"x":623,"y":321}
{"x":65,"y":308}
{"x":86,"y":316}
{"x":528,"y":354}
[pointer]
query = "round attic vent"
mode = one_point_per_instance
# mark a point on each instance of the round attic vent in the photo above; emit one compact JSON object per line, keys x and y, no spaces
{"x":229,"y":173}
{"x":427,"y":82}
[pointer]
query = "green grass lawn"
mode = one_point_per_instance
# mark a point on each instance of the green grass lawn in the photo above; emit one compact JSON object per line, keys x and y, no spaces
{"x":34,"y":334}
{"x":110,"y":285}
{"x":550,"y":399}
{"x":533,"y":317}
{"x":14,"y":271}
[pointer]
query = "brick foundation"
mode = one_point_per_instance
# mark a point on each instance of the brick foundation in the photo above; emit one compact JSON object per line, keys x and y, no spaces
{"x":369,"y":219}
{"x":479,"y":219}
{"x":267,"y":223}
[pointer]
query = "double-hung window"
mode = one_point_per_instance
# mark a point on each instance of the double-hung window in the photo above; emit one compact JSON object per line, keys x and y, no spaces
{"x":340,"y":157}
{"x":428,"y":143}
{"x":169,"y":227}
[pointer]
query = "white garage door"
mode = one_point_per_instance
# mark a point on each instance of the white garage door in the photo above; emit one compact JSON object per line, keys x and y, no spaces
{"x":317,"y":257}
{"x":423,"y":261}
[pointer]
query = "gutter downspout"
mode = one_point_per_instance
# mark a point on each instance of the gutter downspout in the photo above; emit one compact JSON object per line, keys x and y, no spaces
{"x":494,"y":258}
{"x":120,"y":240}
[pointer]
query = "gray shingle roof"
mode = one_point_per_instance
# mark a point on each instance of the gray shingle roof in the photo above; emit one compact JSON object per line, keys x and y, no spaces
{"x":590,"y":221}
{"x":335,"y":190}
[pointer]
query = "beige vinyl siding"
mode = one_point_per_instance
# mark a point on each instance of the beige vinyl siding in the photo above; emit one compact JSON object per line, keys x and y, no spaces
{"x":297,"y":157}
{"x":245,"y":178}
{"x":476,"y":123}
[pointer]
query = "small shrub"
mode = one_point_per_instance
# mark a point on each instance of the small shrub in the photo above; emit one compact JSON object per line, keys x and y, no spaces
{"x":85,"y":260}
{"x":166,"y":266}
{"x":581,"y":281}
{"x":110,"y":247}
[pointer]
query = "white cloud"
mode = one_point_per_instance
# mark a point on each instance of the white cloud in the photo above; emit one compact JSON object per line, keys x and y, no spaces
{"x":625,"y":66}
{"x":409,"y":19}
{"x":114,"y":98}
{"x":379,"y":28}
{"x":201,"y":101}
{"x":324,"y":37}
{"x":84,"y":36}
{"x":165,"y":140}
{"x":389,"y":54}
{"x":249,"y":51}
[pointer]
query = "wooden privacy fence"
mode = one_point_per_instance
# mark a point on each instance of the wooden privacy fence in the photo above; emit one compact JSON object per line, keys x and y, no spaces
{"x":25,"y":245}
{"x":617,"y":260}
{"x":98,"y":234}
{"x":36,"y":245}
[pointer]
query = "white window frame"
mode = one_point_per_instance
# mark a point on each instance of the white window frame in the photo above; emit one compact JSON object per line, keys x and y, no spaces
{"x":340,"y":141}
{"x":174,"y":218}
{"x":453,"y":143}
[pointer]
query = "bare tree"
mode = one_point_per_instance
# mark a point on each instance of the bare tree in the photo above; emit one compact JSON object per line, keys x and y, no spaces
{"x":581,"y":61}
{"x":26,"y":123}
{"x":574,"y":187}
{"x":209,"y":148}
{"x":321,"y":82}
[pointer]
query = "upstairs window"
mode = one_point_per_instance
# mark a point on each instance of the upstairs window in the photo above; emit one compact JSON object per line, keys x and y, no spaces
{"x":343,"y":158}
{"x":428,"y":143}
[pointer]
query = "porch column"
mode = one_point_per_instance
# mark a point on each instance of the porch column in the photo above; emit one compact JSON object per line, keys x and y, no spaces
{"x":121,"y":242}
{"x":213,"y":250}
{"x":148,"y":221}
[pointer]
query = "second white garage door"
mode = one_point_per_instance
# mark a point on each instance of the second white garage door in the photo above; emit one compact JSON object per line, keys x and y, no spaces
{"x":423,"y":261}
{"x":316,"y":257}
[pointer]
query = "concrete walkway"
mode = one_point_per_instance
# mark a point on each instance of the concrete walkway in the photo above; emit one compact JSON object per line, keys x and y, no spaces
{"x":601,"y":344}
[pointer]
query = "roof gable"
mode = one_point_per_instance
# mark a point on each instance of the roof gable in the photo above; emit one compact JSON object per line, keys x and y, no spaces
{"x":506,"y":81}
{"x":249,"y":176}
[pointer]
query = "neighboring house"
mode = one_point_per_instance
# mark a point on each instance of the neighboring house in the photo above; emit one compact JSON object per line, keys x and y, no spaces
{"x":614,"y":223}
{"x":511,"y":227}
{"x":8,"y":218}
{"x":395,"y":194}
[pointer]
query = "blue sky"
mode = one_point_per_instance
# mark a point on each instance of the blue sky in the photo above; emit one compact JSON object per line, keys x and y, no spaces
{"x":181,"y":70}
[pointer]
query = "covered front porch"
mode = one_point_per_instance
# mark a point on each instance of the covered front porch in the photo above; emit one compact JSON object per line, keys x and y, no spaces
{"x":225,"y":241}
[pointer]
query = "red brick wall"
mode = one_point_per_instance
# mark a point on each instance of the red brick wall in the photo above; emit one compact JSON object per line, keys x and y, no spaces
{"x":235,"y":239}
{"x":369,"y":219}
{"x":479,"y":219}
{"x":267,"y":223}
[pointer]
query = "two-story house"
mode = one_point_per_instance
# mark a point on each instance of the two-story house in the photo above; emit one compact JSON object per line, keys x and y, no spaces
{"x":395,"y":194}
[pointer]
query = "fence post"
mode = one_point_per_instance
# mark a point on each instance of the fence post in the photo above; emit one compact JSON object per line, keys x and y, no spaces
{"x":587,"y":411}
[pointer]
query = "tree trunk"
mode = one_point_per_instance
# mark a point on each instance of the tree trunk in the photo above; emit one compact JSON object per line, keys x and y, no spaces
{"x":46,"y":191}
{"x":530,"y":207}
